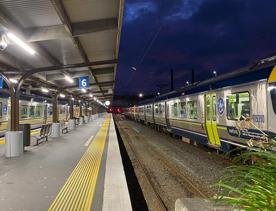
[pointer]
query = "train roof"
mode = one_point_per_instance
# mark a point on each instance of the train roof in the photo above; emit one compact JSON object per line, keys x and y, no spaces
{"x":257,"y":71}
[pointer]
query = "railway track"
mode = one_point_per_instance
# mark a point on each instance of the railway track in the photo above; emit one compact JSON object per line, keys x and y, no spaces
{"x":192,"y":189}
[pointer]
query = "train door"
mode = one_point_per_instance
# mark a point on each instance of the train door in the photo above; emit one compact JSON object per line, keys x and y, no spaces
{"x":211,"y":119}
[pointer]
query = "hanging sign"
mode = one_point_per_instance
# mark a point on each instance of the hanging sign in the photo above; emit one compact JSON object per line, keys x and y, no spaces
{"x":84,"y":82}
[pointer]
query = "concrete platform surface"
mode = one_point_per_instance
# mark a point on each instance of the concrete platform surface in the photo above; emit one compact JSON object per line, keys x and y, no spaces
{"x":35,"y":180}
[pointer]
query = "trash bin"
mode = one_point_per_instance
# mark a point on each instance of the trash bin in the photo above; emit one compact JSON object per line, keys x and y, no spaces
{"x":26,"y":128}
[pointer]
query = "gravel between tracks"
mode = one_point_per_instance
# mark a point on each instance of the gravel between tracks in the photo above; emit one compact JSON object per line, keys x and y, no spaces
{"x":168,"y":160}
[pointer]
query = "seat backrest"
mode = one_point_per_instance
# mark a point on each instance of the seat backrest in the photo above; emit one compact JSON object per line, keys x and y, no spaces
{"x":42,"y":130}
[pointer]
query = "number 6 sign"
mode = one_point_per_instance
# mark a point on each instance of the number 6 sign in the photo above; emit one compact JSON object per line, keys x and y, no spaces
{"x":84,"y":82}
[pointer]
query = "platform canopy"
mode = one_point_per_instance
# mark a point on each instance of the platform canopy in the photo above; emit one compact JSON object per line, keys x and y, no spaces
{"x":65,"y":39}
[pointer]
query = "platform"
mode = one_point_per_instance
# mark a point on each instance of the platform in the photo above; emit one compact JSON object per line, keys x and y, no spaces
{"x":81,"y":170}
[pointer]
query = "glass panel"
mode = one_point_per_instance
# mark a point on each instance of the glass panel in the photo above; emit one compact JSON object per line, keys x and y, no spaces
{"x":174,"y":110}
{"x":32,"y":111}
{"x":183,"y":109}
{"x":238,"y":106}
{"x":192,"y":109}
{"x":208,"y":108}
{"x":214,"y":109}
{"x":24,"y":111}
{"x":38,"y":111}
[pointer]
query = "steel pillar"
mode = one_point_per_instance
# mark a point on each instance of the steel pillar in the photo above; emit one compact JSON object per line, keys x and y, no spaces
{"x":14,"y":111}
{"x":55,"y":109}
{"x":71,"y":109}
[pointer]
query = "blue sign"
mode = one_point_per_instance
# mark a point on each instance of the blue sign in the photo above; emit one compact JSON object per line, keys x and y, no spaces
{"x":84,"y":82}
{"x":220,"y":106}
{"x":1,"y":83}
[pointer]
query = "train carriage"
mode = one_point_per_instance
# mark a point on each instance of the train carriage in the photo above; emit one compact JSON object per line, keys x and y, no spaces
{"x":212,"y":112}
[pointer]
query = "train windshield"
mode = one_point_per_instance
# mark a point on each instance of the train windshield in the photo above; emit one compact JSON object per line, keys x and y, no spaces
{"x":272,"y":88}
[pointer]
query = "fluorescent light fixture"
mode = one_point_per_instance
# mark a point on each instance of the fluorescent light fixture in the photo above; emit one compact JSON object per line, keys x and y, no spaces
{"x":14,"y":81}
{"x":21,"y":43}
{"x":141,"y":95}
{"x":72,"y":98}
{"x":90,"y":95}
{"x":83,"y":90}
{"x":95,"y":98}
{"x":62,"y":95}
{"x":44,"y":90}
{"x":69,"y":79}
{"x":79,"y":101}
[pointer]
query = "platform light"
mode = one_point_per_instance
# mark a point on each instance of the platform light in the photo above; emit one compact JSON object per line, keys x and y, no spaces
{"x":72,"y":98}
{"x":90,"y":95}
{"x":158,"y":93}
{"x":141,"y":95}
{"x":62,"y":95}
{"x":107,"y":103}
{"x":45,"y":90}
{"x":95,"y":98}
{"x":69,"y":79}
{"x":13,"y":80}
{"x":215,"y":73}
{"x":187,"y":82}
{"x":83,"y":90}
{"x":133,"y":68}
{"x":79,"y":101}
{"x":20,"y":43}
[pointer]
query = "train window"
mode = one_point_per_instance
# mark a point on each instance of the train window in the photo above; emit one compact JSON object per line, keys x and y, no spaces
{"x":148,"y":109}
{"x":214,"y":109}
{"x":208,"y":108}
{"x":38,"y":111}
{"x":156,"y":108}
{"x":174,"y":110}
{"x":32,"y":111}
{"x":238,"y":105}
{"x":183,"y":109}
{"x":192,"y":109}
{"x":24,"y":111}
{"x":272,"y":88}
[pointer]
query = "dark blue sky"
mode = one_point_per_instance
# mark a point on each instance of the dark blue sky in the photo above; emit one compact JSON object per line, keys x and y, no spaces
{"x":221,"y":35}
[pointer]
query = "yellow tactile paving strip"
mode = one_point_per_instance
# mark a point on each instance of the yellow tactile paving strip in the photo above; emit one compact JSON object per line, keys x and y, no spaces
{"x":33,"y":132}
{"x":78,"y":191}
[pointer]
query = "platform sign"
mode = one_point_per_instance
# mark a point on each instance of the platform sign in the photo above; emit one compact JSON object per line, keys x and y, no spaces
{"x":84,"y":82}
{"x":220,"y":106}
{"x":1,"y":83}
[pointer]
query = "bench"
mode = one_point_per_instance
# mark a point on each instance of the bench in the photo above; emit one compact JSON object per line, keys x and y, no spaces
{"x":45,"y":131}
{"x":64,"y":127}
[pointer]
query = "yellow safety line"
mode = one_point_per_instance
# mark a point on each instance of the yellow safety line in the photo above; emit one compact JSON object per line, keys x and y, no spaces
{"x":33,"y":132}
{"x":78,"y":191}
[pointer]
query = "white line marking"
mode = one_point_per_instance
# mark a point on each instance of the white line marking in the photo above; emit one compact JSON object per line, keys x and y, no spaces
{"x":88,"y":141}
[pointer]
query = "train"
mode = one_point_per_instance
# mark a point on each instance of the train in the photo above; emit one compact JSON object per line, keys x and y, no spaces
{"x":33,"y":112}
{"x":225,"y":112}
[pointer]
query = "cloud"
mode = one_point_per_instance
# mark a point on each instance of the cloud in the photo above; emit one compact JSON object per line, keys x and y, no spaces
{"x":184,"y":10}
{"x":137,"y":10}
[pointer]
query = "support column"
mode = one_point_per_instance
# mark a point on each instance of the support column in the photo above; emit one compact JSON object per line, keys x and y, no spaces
{"x":71,"y":109}
{"x":80,"y":109}
{"x":55,"y":109}
{"x":14,"y":111}
{"x":56,"y":124}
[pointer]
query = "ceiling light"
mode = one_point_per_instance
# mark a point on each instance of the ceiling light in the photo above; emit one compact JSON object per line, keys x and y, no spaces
{"x":21,"y":43}
{"x":72,"y":98}
{"x":90,"y":95}
{"x":69,"y":79}
{"x":62,"y":95}
{"x":141,"y":95}
{"x":270,"y":88}
{"x":107,"y":103}
{"x":95,"y":98}
{"x":44,"y":90}
{"x":14,"y":81}
{"x":83,"y":90}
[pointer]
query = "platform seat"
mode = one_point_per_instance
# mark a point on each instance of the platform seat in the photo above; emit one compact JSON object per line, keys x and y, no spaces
{"x":64,"y":127}
{"x":45,"y":131}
